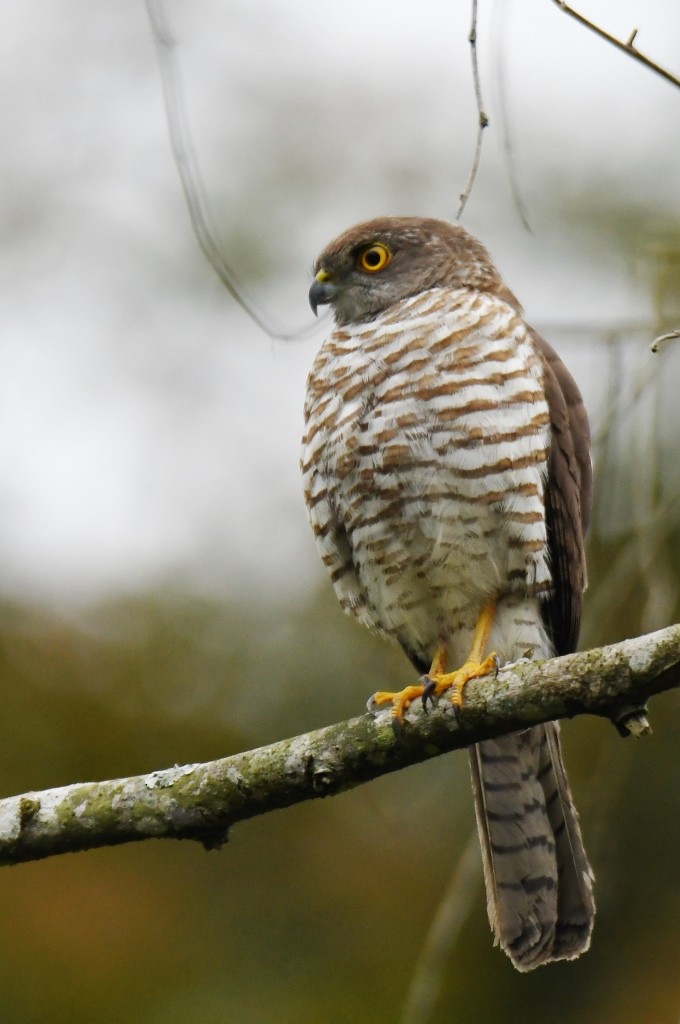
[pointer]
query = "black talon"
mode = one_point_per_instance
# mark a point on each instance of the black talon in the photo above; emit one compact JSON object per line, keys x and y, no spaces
{"x":429,"y":686}
{"x":497,"y":665}
{"x":397,"y":727}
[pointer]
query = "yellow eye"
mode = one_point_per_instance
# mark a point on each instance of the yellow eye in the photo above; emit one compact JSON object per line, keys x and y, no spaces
{"x":374,"y":258}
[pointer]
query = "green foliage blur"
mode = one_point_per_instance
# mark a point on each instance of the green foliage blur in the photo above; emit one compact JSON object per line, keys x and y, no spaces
{"x":316,"y":913}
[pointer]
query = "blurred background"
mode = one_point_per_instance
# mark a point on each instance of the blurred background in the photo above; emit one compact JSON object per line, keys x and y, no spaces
{"x":161,"y":598}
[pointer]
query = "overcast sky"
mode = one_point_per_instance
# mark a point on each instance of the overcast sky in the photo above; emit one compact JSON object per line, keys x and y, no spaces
{"x":150,"y":432}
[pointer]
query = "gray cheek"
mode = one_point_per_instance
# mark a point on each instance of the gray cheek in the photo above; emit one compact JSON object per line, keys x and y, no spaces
{"x":356,"y":302}
{"x":365,"y":296}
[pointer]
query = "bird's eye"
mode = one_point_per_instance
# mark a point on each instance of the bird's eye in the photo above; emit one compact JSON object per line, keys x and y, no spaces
{"x":374,"y":258}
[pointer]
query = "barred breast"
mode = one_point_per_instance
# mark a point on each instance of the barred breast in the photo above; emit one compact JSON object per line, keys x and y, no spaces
{"x":424,"y":464}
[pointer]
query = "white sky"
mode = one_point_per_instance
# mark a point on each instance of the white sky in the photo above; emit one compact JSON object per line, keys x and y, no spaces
{"x":149,"y":431}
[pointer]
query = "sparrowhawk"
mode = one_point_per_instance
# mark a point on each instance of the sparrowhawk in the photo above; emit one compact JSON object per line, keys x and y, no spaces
{"x":447,"y":478}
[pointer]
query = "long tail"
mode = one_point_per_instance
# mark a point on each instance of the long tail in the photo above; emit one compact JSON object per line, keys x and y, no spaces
{"x":538,"y":879}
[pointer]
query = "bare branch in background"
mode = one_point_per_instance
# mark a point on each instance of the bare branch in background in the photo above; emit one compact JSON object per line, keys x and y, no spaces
{"x":663,"y":340}
{"x":628,"y":46}
{"x":448,"y":922}
{"x":202,"y":801}
{"x":194,"y":195}
{"x":483,"y":119}
{"x":500,"y":11}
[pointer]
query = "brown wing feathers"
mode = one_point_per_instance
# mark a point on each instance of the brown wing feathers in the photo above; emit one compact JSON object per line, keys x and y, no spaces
{"x":568,"y":499}
{"x":538,"y":879}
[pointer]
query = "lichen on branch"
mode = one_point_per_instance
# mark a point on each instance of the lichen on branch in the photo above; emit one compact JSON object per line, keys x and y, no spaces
{"x":203,"y":801}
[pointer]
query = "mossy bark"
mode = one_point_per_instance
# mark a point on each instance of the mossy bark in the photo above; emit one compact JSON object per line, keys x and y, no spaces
{"x":202,"y":801}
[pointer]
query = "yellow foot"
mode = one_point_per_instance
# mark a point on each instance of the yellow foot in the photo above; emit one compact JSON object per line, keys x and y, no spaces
{"x":438,"y":680}
{"x":438,"y":683}
{"x":434,"y":684}
{"x":400,"y":701}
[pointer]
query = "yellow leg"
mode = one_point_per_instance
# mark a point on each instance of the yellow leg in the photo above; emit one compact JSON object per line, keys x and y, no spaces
{"x":474,"y":667}
{"x":438,"y":665}
{"x":437,"y":681}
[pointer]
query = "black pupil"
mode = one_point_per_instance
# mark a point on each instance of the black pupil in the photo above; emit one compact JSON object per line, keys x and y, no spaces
{"x":372,"y":257}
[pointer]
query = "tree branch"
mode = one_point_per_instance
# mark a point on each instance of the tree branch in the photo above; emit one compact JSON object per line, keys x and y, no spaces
{"x":202,"y":801}
{"x":192,"y":185}
{"x":482,"y":119}
{"x":628,"y":46}
{"x":663,"y":340}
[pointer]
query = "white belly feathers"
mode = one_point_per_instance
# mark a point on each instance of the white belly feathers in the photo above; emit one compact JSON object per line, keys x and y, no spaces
{"x":424,"y":462}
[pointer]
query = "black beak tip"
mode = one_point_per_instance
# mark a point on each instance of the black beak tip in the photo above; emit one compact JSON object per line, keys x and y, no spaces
{"x":320,"y":294}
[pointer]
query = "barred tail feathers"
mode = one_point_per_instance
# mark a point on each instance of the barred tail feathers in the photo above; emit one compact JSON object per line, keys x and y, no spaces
{"x":538,"y":880}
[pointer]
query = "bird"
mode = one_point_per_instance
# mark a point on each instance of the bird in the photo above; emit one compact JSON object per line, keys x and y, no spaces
{"x":448,"y":483}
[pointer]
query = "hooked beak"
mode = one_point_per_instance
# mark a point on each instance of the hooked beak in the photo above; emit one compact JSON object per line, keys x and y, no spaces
{"x":322,"y":291}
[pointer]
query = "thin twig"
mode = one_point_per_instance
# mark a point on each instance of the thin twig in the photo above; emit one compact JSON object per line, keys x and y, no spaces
{"x":620,"y":406}
{"x":483,"y":120}
{"x":663,"y":340}
{"x":202,"y":801}
{"x":447,"y":924}
{"x":627,"y":46}
{"x":192,"y":186}
{"x":501,"y":92}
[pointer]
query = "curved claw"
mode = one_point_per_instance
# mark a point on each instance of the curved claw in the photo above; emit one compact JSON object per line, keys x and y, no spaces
{"x":429,"y":687}
{"x":400,"y":701}
{"x":397,"y":723}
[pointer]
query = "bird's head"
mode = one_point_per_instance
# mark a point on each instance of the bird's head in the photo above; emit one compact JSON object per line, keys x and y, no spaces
{"x":377,"y":263}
